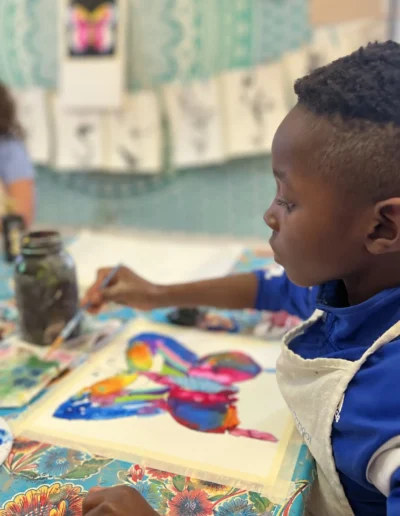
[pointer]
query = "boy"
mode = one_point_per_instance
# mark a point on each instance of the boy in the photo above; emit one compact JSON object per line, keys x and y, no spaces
{"x":336,"y":224}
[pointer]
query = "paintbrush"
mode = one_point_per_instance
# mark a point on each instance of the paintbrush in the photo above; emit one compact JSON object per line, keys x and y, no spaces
{"x":73,"y":323}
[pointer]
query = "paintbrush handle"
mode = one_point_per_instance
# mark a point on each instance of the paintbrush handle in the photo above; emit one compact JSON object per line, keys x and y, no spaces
{"x":73,"y":323}
{"x":110,"y":276}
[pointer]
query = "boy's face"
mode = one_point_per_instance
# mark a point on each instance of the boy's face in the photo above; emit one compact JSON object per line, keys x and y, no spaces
{"x":318,"y":234}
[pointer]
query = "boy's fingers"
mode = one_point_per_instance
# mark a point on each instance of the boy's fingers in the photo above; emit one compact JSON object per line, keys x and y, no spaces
{"x":103,"y":273}
{"x":112,"y":293}
{"x":92,"y":500}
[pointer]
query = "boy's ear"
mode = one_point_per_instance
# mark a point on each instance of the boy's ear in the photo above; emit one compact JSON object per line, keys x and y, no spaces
{"x":384,"y":235}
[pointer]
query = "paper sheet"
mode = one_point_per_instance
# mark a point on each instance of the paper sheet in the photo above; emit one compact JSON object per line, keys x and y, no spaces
{"x":164,"y":437}
{"x":33,"y":113}
{"x":161,"y":261}
{"x":134,"y":137}
{"x":79,"y":138}
{"x":92,"y":52}
{"x":254,"y":106}
{"x":296,"y":64}
{"x":194,"y":110}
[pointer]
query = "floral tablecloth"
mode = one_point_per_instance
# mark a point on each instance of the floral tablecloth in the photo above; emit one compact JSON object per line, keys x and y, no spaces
{"x":41,"y":479}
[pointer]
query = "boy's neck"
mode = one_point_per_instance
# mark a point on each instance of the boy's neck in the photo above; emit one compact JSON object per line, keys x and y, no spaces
{"x":367,"y":283}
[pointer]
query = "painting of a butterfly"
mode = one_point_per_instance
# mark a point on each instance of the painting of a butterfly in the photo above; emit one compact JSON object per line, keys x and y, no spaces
{"x":92,"y":28}
{"x":163,"y":376}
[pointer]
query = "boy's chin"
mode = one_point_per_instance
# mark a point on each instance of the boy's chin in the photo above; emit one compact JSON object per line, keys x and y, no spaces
{"x":299,"y":279}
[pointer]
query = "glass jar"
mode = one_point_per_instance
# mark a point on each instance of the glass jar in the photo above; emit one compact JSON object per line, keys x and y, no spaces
{"x":46,"y":287}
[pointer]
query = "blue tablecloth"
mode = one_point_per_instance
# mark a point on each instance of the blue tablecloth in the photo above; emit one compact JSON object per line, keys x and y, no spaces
{"x":37,"y":471}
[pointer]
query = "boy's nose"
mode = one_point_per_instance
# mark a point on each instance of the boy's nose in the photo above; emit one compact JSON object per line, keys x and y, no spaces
{"x":271,"y":220}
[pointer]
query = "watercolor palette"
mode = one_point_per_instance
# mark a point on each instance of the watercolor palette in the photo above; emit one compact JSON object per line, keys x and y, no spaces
{"x":24,"y":373}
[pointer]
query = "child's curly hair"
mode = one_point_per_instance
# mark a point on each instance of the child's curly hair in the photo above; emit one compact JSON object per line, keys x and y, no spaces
{"x":359,"y":95}
{"x":9,"y":124}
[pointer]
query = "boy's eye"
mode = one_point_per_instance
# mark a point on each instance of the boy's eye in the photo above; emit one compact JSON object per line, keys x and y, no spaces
{"x":287,"y":205}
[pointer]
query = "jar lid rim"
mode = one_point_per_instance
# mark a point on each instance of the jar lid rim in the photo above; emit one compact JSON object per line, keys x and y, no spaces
{"x":39,"y":238}
{"x":38,"y":242}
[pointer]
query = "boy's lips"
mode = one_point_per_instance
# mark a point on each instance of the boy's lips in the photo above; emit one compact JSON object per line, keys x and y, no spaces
{"x":276,"y":255}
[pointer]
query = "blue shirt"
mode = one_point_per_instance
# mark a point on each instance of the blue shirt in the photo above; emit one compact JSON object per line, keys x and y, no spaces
{"x":15,"y":164}
{"x":370,"y":415}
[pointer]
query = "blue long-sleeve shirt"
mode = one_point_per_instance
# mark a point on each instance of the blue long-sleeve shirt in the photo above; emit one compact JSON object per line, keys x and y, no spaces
{"x":370,"y":415}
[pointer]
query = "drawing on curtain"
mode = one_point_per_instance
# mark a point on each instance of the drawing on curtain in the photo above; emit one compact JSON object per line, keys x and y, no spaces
{"x":258,"y":104}
{"x":196,"y":120}
{"x":134,"y":135}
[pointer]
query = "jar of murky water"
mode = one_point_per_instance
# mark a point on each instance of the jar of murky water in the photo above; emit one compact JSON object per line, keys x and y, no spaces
{"x":45,"y":286}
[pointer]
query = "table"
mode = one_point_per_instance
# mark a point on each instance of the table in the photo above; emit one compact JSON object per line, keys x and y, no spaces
{"x":37,"y":476}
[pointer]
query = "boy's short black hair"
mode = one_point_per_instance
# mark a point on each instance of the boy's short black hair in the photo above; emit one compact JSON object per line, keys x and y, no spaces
{"x":360,"y":95}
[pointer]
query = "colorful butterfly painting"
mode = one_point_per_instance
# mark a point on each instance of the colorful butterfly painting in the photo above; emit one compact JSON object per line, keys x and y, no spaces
{"x":92,"y":28}
{"x":163,"y":376}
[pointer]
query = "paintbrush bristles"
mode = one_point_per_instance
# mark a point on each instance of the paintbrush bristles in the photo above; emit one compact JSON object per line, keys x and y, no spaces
{"x":56,"y":344}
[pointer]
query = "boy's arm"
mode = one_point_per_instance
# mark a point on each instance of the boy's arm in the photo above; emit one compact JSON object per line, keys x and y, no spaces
{"x":276,"y":292}
{"x":261,"y":290}
{"x":385,"y":475}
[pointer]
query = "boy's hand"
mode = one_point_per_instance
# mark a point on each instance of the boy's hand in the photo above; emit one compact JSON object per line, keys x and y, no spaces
{"x":116,"y":501}
{"x":126,"y":288}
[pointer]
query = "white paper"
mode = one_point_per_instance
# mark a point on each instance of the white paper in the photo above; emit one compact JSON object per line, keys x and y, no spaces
{"x":92,"y":81}
{"x":254,"y":106}
{"x":161,"y":261}
{"x":355,"y":34}
{"x":33,"y":114}
{"x":134,"y":135}
{"x":79,"y":139}
{"x":325,"y":47}
{"x":296,"y":64}
{"x":195,"y":116}
{"x":260,"y":406}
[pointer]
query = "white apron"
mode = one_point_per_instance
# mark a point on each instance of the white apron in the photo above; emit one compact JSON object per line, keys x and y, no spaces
{"x":314,"y":390}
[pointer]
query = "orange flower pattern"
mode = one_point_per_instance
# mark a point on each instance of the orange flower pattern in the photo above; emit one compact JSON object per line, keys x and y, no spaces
{"x":53,"y":500}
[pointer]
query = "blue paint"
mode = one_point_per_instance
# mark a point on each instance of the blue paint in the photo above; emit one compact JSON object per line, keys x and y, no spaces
{"x":5,"y":437}
{"x":171,"y":344}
